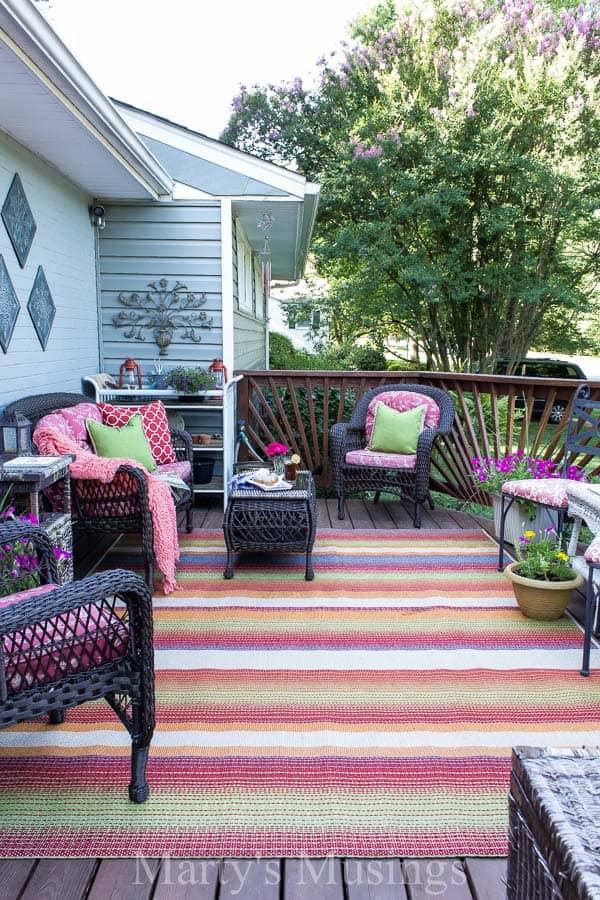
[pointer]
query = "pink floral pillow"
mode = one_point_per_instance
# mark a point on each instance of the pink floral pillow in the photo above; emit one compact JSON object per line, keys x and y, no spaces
{"x":76,"y":417}
{"x":401,"y":401}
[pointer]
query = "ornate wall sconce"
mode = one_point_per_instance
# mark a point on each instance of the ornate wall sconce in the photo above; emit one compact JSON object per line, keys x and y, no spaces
{"x":164,"y":311}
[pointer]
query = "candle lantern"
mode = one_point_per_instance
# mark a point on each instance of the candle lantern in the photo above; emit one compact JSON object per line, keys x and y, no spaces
{"x":219,"y":372}
{"x":127,"y":374}
{"x":16,"y":433}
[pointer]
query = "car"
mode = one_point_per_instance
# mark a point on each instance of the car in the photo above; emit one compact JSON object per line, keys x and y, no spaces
{"x":544,"y":368}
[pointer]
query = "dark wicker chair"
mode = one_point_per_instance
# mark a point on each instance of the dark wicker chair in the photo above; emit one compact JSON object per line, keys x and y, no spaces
{"x":410,"y":483}
{"x":121,"y":505}
{"x":77,"y":642}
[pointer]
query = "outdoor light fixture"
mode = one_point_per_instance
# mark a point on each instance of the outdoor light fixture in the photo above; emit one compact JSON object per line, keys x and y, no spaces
{"x":98,"y":216}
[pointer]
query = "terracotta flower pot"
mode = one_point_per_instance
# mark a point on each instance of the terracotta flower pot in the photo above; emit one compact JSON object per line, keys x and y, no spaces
{"x":542,"y":600}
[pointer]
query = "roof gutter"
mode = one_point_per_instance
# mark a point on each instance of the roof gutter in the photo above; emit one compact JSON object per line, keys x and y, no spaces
{"x":32,"y":39}
{"x":309,"y":215}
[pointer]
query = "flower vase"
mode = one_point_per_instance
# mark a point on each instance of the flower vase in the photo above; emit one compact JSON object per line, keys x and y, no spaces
{"x":278,"y":464}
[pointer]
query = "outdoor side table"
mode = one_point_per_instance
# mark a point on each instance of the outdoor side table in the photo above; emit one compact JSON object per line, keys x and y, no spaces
{"x":554,"y":830}
{"x":272,"y":521}
{"x":32,"y":479}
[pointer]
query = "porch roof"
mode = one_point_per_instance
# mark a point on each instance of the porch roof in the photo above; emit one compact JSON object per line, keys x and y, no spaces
{"x":52,"y":107}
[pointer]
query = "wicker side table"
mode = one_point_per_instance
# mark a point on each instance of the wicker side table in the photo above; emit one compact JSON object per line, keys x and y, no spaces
{"x":554,"y":831}
{"x":272,"y":521}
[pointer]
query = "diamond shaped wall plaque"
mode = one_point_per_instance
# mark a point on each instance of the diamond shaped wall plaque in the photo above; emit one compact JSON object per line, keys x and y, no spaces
{"x":41,"y":307}
{"x":18,"y":220}
{"x":9,"y":306}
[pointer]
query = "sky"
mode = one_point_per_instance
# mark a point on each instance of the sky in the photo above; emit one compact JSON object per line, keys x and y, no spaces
{"x":185,"y":59}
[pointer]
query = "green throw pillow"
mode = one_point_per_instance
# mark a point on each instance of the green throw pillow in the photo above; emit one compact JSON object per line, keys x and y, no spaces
{"x":128,"y":441}
{"x":396,"y":432}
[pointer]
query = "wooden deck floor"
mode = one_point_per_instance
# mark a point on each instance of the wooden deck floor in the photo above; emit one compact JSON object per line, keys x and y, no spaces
{"x":278,"y":879}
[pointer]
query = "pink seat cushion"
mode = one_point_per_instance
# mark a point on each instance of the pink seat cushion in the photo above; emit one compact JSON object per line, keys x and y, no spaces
{"x":401,"y":401}
{"x":12,"y":599}
{"x":592,"y":554}
{"x":182,"y":468}
{"x":550,"y":491}
{"x":67,"y":644}
{"x":381,"y":460}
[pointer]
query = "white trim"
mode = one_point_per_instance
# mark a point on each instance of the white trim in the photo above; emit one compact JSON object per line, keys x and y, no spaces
{"x":227,"y":283}
{"x":32,"y":40}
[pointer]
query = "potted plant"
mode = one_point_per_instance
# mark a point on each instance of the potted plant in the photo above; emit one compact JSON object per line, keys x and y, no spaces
{"x":489,"y":473}
{"x":189,"y":379}
{"x":542,"y":577}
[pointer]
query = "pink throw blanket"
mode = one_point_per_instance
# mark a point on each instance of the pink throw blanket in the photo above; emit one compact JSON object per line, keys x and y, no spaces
{"x":51,"y":442}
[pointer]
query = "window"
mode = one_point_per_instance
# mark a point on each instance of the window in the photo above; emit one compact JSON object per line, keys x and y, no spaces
{"x":245,"y":279}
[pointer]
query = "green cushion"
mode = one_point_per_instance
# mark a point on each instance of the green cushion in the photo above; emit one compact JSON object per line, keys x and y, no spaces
{"x":396,"y":432}
{"x":128,"y":441}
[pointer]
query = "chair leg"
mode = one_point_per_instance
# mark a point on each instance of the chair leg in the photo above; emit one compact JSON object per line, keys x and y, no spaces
{"x":149,"y":573}
{"x":377,"y":496}
{"x":189,"y":519}
{"x":139,"y":789}
{"x":430,"y":499}
{"x":417,"y":516}
{"x":57,"y":716}
{"x":341,"y":510}
{"x":590,"y":609}
{"x":504,"y":508}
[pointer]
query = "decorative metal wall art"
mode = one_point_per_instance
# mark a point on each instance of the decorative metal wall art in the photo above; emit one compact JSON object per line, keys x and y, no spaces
{"x":9,"y":306}
{"x":41,"y":307}
{"x":18,"y":220}
{"x":163,"y":311}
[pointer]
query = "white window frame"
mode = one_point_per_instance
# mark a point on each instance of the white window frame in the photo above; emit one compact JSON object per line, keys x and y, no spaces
{"x":244,"y":260}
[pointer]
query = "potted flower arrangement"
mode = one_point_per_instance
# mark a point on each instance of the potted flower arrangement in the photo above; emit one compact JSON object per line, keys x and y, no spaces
{"x":489,"y":473}
{"x":276,"y":453}
{"x":19,"y":566}
{"x":189,"y":379}
{"x":542,"y":577}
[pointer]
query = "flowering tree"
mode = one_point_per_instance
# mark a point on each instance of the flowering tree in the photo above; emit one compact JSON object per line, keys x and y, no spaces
{"x":457,"y":146}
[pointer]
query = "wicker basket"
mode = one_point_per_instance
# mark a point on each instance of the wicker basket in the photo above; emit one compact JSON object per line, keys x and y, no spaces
{"x":554,"y":829}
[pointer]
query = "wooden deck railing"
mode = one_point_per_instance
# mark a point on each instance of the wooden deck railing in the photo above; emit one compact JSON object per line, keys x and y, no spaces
{"x":494,"y":416}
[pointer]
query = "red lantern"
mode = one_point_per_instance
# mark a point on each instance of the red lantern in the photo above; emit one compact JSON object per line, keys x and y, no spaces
{"x":218,"y":372}
{"x":127,"y":372}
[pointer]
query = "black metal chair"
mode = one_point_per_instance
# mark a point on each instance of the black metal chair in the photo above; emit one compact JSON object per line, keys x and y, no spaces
{"x":73,"y":643}
{"x":121,"y":505}
{"x":582,"y":444}
{"x":410,"y":481}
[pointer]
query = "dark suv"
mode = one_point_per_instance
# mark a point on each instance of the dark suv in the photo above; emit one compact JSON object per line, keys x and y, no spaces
{"x":545,"y":368}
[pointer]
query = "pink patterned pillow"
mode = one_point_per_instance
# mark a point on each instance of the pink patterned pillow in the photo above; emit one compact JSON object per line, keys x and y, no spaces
{"x":154,"y":422}
{"x":401,"y":401}
{"x":54,"y":420}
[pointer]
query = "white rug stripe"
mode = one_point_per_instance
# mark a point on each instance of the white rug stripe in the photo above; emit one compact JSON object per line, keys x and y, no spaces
{"x":176,"y":601}
{"x":281,"y":739}
{"x":386,"y":660}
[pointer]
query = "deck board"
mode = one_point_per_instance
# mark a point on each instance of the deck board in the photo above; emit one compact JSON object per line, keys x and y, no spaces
{"x":285,"y":879}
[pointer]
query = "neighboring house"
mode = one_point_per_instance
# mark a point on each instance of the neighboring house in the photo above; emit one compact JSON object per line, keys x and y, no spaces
{"x":176,"y":206}
{"x":288,"y":315}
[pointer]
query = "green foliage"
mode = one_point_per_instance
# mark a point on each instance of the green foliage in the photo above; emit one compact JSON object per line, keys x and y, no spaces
{"x":283,"y":355}
{"x":540,"y":557}
{"x":457,"y":146}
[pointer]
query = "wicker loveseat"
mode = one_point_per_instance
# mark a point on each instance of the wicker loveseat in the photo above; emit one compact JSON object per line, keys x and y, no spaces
{"x":121,"y":505}
{"x":357,"y":468}
{"x":63,"y":645}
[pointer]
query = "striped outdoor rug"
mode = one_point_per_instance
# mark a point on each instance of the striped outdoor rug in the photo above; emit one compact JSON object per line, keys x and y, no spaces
{"x":368,"y":713}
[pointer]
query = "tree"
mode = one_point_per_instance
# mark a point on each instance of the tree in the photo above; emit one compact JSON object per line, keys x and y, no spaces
{"x":457,"y":146}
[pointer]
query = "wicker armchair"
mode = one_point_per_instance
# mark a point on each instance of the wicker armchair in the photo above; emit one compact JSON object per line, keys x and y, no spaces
{"x":411,"y":481}
{"x":61,"y":646}
{"x":121,"y":505}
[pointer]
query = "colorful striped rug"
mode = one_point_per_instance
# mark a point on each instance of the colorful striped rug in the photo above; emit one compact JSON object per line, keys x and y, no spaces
{"x":368,"y":713}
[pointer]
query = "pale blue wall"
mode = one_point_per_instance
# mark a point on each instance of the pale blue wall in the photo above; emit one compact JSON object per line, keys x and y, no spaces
{"x":64,"y":246}
{"x":249,"y":332}
{"x":142,"y":243}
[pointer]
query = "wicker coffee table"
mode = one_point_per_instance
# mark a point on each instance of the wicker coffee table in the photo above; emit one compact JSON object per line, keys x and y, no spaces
{"x":272,"y":522}
{"x":554,"y":833}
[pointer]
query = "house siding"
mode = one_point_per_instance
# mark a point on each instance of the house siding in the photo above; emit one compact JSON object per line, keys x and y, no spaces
{"x":143,"y":243}
{"x":64,"y":244}
{"x":249,"y":332}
